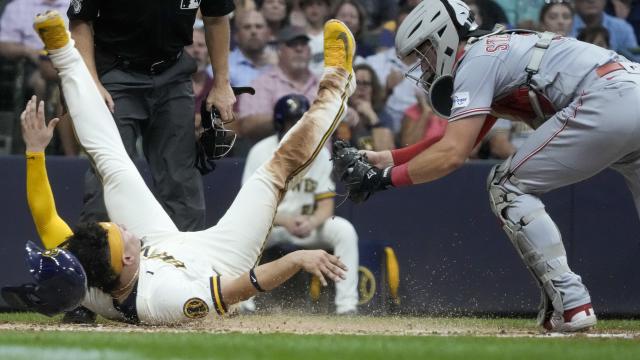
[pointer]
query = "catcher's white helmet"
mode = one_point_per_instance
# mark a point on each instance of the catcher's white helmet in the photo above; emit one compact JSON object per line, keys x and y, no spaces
{"x":432,"y":31}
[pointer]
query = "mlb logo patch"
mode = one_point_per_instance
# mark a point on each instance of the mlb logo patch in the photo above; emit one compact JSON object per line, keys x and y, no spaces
{"x":189,"y":4}
{"x":76,"y":5}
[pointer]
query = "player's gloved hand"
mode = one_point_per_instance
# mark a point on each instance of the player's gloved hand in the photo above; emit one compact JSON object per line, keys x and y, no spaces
{"x":360,"y":177}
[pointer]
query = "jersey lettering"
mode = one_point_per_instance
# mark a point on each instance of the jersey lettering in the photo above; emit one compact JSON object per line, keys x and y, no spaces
{"x":162,"y":256}
{"x":306,"y":185}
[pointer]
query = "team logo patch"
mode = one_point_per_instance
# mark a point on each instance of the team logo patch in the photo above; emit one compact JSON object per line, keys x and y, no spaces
{"x":195,"y":308}
{"x":51,"y":252}
{"x":460,"y":100}
{"x":366,"y":285}
{"x":189,"y":4}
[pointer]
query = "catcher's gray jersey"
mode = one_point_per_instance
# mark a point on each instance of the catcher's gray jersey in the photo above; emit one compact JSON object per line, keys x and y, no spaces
{"x":494,"y":67}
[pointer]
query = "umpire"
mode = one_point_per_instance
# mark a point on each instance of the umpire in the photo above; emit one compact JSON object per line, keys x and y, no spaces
{"x":134,"y":50}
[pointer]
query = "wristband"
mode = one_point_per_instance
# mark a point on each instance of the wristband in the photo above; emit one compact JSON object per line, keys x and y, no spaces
{"x":254,"y":280}
{"x":400,"y":175}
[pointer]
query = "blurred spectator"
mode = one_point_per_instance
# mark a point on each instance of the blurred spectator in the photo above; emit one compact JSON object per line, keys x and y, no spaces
{"x":291,"y":76}
{"x":488,"y":13}
{"x":520,"y":132}
{"x":316,"y":12}
{"x":373,"y":130}
{"x":387,"y":36}
{"x":251,"y":57}
{"x":244,"y":5}
{"x":379,"y":12}
{"x":305,"y":216}
{"x":557,"y":17}
{"x":590,"y":13}
{"x":419,"y":122}
{"x":276,"y":13}
{"x":400,"y":91}
{"x":296,"y":15}
{"x":19,"y":41}
{"x":596,"y":35}
{"x":522,"y":13}
{"x":497,"y":144}
{"x":21,"y":47}
{"x":628,"y":10}
{"x":202,"y":79}
{"x":354,"y":15}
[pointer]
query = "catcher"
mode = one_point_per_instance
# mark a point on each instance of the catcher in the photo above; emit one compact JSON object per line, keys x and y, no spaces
{"x":580,"y":99}
{"x":140,"y":268}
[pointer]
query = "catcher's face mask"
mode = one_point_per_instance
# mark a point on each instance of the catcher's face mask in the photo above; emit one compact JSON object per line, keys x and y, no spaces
{"x":216,"y":141}
{"x":424,"y":65}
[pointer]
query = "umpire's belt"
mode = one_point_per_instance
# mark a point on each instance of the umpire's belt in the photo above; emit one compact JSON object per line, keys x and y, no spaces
{"x":151,"y":67}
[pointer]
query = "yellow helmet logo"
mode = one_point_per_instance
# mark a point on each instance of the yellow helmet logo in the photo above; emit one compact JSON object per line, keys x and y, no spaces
{"x":51,"y":252}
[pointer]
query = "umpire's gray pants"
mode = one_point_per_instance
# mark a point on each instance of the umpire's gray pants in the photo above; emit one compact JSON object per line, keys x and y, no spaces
{"x":160,"y":108}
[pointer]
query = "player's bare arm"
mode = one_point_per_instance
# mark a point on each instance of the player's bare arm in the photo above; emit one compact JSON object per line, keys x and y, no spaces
{"x":419,"y":163}
{"x":273,"y":274}
{"x":448,"y":154}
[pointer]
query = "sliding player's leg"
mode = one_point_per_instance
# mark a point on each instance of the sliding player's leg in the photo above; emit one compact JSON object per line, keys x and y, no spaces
{"x":128,"y":200}
{"x":237,"y":240}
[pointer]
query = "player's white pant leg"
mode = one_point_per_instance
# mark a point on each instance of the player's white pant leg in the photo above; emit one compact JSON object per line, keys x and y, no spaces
{"x":129,"y":202}
{"x":339,"y":234}
{"x":598,"y":129}
{"x":235,"y":243}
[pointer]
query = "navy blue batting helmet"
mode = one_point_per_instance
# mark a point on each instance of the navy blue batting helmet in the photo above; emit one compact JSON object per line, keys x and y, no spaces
{"x":289,"y":108}
{"x":60,"y":282}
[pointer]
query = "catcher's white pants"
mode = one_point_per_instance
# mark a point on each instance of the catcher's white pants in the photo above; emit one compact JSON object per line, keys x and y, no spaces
{"x":232,"y":246}
{"x":340,"y":236}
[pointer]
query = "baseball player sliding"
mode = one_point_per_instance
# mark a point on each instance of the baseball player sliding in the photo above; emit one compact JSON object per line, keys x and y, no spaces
{"x":140,"y":268}
{"x":581,"y":100}
{"x":305,"y":215}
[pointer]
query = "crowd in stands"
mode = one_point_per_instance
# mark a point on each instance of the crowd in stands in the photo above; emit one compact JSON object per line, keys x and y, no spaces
{"x":276,"y":47}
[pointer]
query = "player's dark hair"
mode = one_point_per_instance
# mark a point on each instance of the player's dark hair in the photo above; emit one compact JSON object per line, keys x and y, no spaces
{"x":377,"y":93}
{"x":362,"y":15}
{"x":590,"y":33}
{"x":89,"y":243}
{"x":547,"y":6}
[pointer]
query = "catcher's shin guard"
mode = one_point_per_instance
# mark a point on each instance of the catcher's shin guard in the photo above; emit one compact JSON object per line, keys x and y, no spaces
{"x":535,"y":237}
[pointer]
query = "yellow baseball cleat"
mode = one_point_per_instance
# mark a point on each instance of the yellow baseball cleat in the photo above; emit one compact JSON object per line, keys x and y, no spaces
{"x":52,"y":30}
{"x":339,"y":45}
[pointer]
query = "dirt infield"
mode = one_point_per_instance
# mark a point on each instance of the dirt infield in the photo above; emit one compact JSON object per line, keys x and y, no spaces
{"x":355,"y":325}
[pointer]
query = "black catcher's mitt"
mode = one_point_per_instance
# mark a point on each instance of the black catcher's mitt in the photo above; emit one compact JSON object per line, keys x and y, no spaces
{"x":360,"y":178}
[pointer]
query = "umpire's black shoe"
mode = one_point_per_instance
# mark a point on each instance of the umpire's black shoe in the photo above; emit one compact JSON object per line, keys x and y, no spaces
{"x":79,"y":315}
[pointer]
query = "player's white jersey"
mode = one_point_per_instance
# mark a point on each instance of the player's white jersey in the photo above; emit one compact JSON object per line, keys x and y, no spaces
{"x":173,"y":285}
{"x":300,"y":198}
{"x":494,"y":67}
